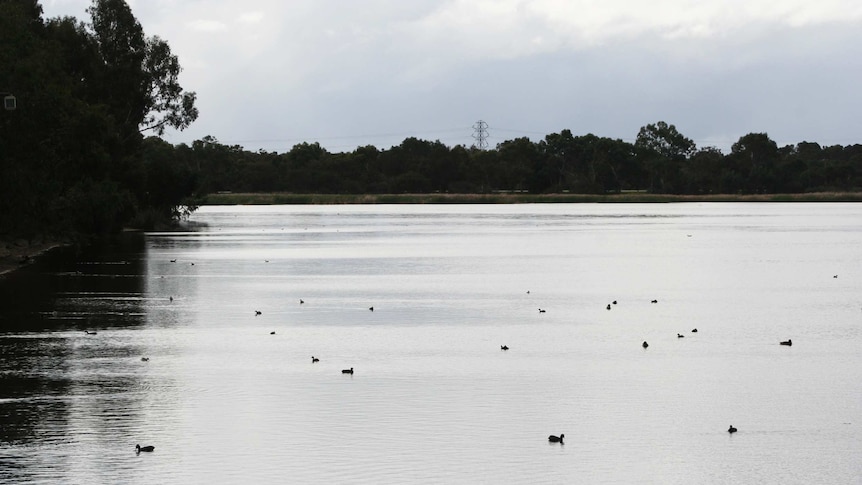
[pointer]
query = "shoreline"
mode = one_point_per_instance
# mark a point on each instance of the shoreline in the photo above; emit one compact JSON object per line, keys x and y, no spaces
{"x":15,"y":255}
{"x":276,"y":198}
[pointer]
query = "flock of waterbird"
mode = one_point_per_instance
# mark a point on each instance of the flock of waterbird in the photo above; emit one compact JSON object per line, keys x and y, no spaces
{"x":504,"y":347}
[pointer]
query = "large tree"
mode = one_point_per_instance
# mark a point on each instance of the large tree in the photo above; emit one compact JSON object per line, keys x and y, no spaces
{"x":138,"y":77}
{"x":70,"y":155}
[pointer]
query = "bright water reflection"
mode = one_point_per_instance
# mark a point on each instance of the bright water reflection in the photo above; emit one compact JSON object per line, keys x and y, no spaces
{"x":433,"y":398}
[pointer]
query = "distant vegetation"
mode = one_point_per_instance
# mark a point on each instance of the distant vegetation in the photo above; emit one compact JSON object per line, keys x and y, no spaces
{"x":81,"y":153}
{"x":661,"y":161}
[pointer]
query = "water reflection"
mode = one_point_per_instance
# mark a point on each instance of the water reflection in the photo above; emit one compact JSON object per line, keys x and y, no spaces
{"x":65,"y":370}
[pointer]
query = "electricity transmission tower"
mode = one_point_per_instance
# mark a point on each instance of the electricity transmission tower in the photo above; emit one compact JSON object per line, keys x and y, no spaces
{"x":480,"y":134}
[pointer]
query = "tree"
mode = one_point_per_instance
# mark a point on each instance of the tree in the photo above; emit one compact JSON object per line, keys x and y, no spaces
{"x":137,"y":76}
{"x":755,"y":156}
{"x":663,"y":149}
{"x":665,"y":140}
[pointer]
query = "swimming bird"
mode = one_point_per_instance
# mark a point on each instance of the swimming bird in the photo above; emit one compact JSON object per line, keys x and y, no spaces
{"x":614,"y":302}
{"x":679,"y":335}
{"x":645,"y":345}
{"x":835,"y":276}
{"x":504,"y":347}
{"x":170,"y":298}
{"x":787,"y":342}
{"x":139,"y":448}
{"x":731,"y":429}
{"x":694,"y":330}
{"x":371,"y":308}
{"x":173,"y":260}
{"x":347,"y":371}
{"x":654,"y":301}
{"x":609,"y":306}
{"x":556,"y":439}
{"x":257,"y":312}
{"x":541,"y":310}
{"x":314,"y":359}
{"x":272,"y":333}
{"x":145,"y":359}
{"x":89,"y":332}
{"x":300,"y":301}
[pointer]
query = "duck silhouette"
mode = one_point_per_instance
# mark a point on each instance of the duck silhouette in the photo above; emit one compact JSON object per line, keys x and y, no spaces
{"x":787,"y":342}
{"x":504,"y":347}
{"x":314,"y":359}
{"x":347,"y":371}
{"x":731,"y":429}
{"x":679,"y":335}
{"x":694,"y":330}
{"x":139,"y":448}
{"x":556,"y":439}
{"x":645,"y":345}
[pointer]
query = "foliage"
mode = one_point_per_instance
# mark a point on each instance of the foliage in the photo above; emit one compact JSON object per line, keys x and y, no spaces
{"x":665,"y":162}
{"x":73,"y":156}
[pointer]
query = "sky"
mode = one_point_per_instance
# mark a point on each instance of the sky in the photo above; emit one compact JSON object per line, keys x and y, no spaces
{"x":270,"y":74}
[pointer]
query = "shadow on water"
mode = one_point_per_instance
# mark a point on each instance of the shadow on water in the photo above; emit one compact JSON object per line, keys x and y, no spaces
{"x":52,"y":374}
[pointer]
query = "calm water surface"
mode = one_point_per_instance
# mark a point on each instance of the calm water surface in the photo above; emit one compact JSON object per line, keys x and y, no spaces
{"x":433,"y":398}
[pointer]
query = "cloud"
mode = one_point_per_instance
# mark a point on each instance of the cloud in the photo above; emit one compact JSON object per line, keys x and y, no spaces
{"x":350,"y":72}
{"x":202,"y":25}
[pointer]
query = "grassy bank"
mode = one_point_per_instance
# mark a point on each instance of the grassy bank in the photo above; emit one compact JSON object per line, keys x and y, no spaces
{"x":632,"y":197}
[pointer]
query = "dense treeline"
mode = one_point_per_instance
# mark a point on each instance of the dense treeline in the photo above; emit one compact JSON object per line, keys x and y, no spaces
{"x":78,"y":153}
{"x":660,"y":161}
{"x":85,"y":95}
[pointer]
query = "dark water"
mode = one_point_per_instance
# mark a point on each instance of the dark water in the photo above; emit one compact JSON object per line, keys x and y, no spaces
{"x":433,"y":398}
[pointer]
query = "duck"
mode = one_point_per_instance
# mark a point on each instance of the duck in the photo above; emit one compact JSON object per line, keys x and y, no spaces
{"x":145,"y":359}
{"x":272,"y":333}
{"x":614,"y":302}
{"x":314,"y":359}
{"x":301,"y":301}
{"x":787,"y":342}
{"x":504,"y":347}
{"x":645,"y":345}
{"x":731,"y":429}
{"x":347,"y":371}
{"x":541,"y":310}
{"x":654,"y":301}
{"x":371,"y":308}
{"x":139,"y":448}
{"x":89,"y":332}
{"x":556,"y":439}
{"x":679,"y":335}
{"x":609,"y":306}
{"x":694,"y":330}
{"x":257,"y":312}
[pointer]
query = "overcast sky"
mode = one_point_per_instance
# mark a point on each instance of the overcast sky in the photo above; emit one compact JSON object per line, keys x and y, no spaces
{"x":273,"y":73}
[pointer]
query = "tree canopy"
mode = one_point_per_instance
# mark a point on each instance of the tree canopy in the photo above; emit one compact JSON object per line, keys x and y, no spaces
{"x":72,"y":157}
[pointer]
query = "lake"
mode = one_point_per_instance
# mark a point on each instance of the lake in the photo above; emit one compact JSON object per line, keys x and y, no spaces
{"x":433,"y":397}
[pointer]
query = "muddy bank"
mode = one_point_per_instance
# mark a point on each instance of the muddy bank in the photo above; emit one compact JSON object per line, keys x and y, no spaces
{"x":19,"y":253}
